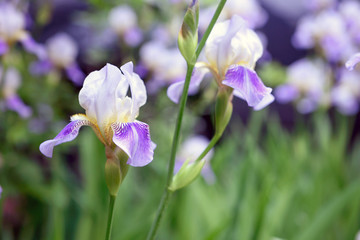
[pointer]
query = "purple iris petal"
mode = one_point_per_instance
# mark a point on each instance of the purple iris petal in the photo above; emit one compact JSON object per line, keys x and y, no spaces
{"x":68,"y":134}
{"x":16,"y":104}
{"x":41,"y":67}
{"x":351,"y":63}
{"x":248,"y":86}
{"x":134,"y":139}
{"x":75,"y":74}
{"x":175,"y":90}
{"x":33,"y":47}
{"x":3,"y":47}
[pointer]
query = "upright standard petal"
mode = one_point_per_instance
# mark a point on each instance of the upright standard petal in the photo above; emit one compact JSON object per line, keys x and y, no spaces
{"x":99,"y":92}
{"x":134,"y":139}
{"x":68,"y":134}
{"x":248,"y":86}
{"x":137,"y":87}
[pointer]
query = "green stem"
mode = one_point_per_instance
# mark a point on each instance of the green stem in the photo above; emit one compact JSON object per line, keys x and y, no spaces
{"x":210,"y":27}
{"x":190,"y":67}
{"x":211,"y":144}
{"x":110,"y":217}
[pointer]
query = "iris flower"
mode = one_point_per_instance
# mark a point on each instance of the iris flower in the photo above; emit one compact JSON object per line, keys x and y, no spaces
{"x":12,"y":30}
{"x":231,"y":51}
{"x":111,"y":114}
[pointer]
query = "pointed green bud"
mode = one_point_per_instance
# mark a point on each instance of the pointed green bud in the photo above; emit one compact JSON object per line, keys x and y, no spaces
{"x":188,"y":36}
{"x":115,"y":169}
{"x":223,"y":110}
{"x":187,"y":173}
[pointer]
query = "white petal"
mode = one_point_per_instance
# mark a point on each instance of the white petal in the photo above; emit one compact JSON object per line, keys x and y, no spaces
{"x":137,"y":86}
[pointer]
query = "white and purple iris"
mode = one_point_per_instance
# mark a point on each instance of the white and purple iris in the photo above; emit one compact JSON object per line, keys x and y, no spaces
{"x":335,"y":42}
{"x":10,"y":82}
{"x":169,"y":66}
{"x":61,"y":53}
{"x":123,"y":21}
{"x":111,"y":114}
{"x":307,"y":83}
{"x":231,"y":52}
{"x":345,"y":95}
{"x":12,"y":30}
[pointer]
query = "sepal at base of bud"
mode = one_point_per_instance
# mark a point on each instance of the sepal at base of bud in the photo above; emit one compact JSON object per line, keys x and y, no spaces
{"x":223,"y":110}
{"x":115,"y":169}
{"x":186,"y":175}
{"x":188,"y":35}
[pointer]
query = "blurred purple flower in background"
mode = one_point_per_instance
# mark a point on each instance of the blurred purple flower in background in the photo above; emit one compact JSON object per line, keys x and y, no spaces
{"x":164,"y":65}
{"x":111,"y":114}
{"x":315,"y":31}
{"x":123,"y":21}
{"x":12,"y":30}
{"x":249,"y":10}
{"x":191,"y":148}
{"x":231,"y":52}
{"x":0,"y":191}
{"x":10,"y":82}
{"x":61,"y":53}
{"x":346,"y":93}
{"x":307,"y":82}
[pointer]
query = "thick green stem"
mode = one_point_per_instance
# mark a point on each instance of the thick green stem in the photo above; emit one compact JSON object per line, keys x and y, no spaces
{"x":190,"y":67}
{"x":110,"y":217}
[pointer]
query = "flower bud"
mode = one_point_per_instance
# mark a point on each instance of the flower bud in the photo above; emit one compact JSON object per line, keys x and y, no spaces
{"x":115,"y":169}
{"x":187,"y":173}
{"x":223,"y":110}
{"x":188,"y":36}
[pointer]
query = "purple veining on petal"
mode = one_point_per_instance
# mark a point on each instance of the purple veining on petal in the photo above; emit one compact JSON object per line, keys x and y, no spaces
{"x":3,"y":47}
{"x":175,"y":90}
{"x":68,"y":134}
{"x":33,"y":47}
{"x":248,"y":86}
{"x":134,"y":139}
{"x":75,"y":74}
{"x":353,"y":61}
{"x":16,"y":104}
{"x":41,"y":67}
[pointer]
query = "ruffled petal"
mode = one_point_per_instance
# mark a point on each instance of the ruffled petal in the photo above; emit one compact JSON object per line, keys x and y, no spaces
{"x":248,"y":86}
{"x":353,"y":61}
{"x":134,"y":139}
{"x":175,"y":90}
{"x":68,"y":134}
